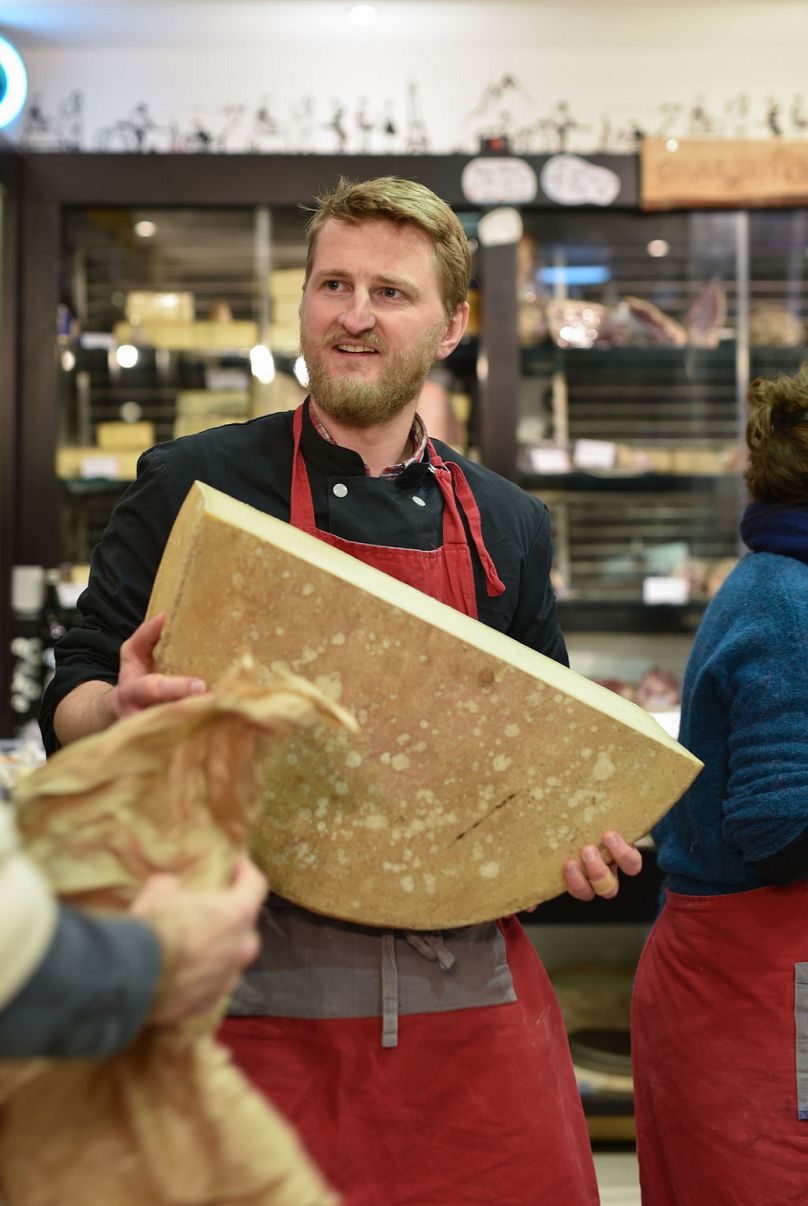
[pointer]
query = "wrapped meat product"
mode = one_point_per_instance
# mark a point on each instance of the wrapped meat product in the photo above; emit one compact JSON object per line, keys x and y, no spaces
{"x":773,"y":326}
{"x":618,"y":685}
{"x":634,"y":322}
{"x":658,"y":690}
{"x":531,"y":319}
{"x":706,"y":316}
{"x":574,"y":324}
{"x":172,"y":789}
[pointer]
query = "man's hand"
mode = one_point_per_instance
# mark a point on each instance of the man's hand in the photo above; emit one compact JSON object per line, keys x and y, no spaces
{"x":94,"y":705}
{"x":207,"y":939}
{"x":592,"y":876}
{"x":138,"y":686}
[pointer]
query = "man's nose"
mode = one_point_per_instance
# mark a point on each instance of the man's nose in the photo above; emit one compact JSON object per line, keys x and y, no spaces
{"x":358,"y":316}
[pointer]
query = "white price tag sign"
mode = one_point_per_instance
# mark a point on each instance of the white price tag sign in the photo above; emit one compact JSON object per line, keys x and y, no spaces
{"x":665,"y":590}
{"x":99,"y":466}
{"x":97,"y":340}
{"x":594,"y":454}
{"x":550,"y":460}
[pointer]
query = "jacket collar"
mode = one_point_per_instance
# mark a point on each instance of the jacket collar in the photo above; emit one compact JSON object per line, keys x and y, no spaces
{"x":332,"y":459}
{"x":772,"y":528}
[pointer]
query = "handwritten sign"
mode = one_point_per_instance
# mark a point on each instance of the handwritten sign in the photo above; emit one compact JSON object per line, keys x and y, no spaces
{"x":499,"y":181}
{"x":718,"y":174}
{"x":571,"y":180}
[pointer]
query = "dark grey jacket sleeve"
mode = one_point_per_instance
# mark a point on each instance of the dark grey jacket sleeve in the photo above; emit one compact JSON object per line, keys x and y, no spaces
{"x":123,"y":568}
{"x":90,"y":994}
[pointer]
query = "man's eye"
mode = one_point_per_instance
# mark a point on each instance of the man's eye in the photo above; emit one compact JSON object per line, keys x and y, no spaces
{"x":389,"y":291}
{"x":332,"y":286}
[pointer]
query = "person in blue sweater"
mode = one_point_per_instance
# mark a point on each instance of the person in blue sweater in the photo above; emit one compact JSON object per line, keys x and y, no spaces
{"x":720,"y":1012}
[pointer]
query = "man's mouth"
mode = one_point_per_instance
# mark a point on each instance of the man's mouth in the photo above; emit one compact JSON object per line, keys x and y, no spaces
{"x":356,"y":349}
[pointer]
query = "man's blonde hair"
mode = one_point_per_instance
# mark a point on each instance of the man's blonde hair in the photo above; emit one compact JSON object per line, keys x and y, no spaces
{"x":400,"y":201}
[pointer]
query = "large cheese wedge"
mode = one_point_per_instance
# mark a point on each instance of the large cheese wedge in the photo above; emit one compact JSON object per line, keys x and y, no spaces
{"x":479,"y":767}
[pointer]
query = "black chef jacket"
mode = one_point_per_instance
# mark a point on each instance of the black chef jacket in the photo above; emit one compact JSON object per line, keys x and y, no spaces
{"x":253,"y":462}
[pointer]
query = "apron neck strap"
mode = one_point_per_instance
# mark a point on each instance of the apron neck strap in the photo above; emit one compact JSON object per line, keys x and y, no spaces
{"x":456,"y":487}
{"x":301,"y":505}
{"x":450,"y":479}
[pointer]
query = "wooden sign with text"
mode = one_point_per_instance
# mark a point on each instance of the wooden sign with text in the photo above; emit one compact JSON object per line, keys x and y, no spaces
{"x":722,"y":174}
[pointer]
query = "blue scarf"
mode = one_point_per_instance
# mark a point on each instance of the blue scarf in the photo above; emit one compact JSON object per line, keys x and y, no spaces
{"x":774,"y":528}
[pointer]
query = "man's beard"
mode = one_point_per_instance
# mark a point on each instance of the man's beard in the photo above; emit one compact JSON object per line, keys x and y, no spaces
{"x":357,"y":403}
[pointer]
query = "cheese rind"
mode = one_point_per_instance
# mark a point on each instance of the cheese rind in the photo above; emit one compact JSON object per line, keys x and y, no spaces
{"x":480,"y":765}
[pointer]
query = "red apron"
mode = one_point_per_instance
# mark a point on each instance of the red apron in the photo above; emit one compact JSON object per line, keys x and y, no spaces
{"x":473,"y":1107}
{"x":720,"y":1042}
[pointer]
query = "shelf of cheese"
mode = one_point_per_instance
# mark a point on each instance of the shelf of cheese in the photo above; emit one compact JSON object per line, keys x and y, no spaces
{"x":113,"y":456}
{"x":480,"y":765}
{"x":189,"y":336}
{"x":88,"y":461}
{"x":603,"y":459}
{"x":285,"y":292}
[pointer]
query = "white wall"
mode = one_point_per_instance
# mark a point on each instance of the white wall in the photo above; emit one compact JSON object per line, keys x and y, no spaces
{"x":458,"y":69}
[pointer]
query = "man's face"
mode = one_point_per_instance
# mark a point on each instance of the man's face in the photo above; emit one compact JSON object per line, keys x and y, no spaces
{"x":372,"y":319}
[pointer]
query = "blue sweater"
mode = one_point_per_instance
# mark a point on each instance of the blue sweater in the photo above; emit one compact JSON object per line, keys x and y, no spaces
{"x":745,"y":714}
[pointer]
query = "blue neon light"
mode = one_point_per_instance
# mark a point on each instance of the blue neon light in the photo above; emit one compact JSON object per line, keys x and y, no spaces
{"x":582,"y":274}
{"x":13,"y":83}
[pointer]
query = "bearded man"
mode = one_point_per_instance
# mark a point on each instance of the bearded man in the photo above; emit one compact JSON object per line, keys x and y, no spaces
{"x":419,"y":1069}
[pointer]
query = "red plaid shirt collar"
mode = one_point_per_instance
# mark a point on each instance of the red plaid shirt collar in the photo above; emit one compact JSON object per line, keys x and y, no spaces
{"x":417,"y":440}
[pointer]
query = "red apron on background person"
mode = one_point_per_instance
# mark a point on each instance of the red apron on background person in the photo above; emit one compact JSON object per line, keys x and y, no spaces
{"x":470,"y":1106}
{"x":720,"y":1045}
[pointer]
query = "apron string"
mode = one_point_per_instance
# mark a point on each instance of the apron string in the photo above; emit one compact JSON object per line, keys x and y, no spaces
{"x":433,"y":947}
{"x":459,"y":491}
{"x":301,"y":504}
{"x":430,"y":946}
{"x":462,"y":492}
{"x":389,"y":974}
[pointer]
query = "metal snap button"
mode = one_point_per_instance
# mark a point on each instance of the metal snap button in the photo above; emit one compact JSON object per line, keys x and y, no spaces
{"x":340,"y":490}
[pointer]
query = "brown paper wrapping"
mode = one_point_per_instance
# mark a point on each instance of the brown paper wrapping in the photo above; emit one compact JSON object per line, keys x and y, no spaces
{"x":171,"y":1120}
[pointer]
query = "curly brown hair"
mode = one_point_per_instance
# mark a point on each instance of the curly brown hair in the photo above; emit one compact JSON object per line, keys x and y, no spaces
{"x":778,"y":450}
{"x":400,"y":201}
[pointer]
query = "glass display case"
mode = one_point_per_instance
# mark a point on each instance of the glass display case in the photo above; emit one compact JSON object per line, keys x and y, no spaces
{"x":174,"y":320}
{"x":778,"y":291}
{"x":605,"y":368}
{"x":633,"y":333}
{"x":165,"y":322}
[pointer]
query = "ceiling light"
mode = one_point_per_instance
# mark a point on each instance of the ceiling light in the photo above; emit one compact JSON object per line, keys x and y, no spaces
{"x":126,"y":355}
{"x":658,"y":248}
{"x":301,"y":372}
{"x":363,"y":16}
{"x":262,"y":364}
{"x":145,"y":229}
{"x":131,"y":412}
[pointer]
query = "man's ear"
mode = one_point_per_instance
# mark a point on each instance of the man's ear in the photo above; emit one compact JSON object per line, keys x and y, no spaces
{"x":455,"y":329}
